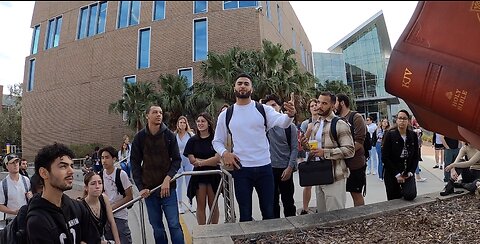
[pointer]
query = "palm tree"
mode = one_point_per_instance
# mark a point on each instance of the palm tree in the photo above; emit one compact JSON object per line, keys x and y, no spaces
{"x":173,"y":97}
{"x":136,"y":99}
{"x":337,"y":86}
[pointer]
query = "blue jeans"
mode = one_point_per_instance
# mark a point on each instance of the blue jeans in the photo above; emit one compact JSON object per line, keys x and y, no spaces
{"x":372,"y":163}
{"x":378,"y":146}
{"x":245,"y":179}
{"x":450,"y":156}
{"x":156,"y":206}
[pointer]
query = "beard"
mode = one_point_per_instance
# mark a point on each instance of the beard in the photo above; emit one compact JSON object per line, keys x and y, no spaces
{"x":324,"y":113}
{"x":246,"y":95}
{"x":61,"y":185}
{"x":338,"y":111}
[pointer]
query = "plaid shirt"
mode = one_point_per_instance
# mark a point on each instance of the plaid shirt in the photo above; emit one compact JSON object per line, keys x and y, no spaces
{"x":337,"y":151}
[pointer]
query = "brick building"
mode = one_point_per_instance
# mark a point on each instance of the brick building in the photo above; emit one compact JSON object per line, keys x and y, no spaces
{"x":82,"y":52}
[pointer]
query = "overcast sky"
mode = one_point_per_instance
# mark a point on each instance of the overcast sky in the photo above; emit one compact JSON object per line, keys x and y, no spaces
{"x":324,"y":22}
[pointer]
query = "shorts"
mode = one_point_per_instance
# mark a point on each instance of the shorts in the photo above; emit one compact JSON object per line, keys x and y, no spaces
{"x":439,"y":146}
{"x":357,"y":181}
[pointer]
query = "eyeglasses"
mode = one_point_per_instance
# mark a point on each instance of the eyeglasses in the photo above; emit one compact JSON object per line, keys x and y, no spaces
{"x":402,"y":118}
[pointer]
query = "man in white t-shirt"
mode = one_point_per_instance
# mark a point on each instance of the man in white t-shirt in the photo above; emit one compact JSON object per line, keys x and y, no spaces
{"x":250,"y":155}
{"x":108,"y":156}
{"x":14,"y":189}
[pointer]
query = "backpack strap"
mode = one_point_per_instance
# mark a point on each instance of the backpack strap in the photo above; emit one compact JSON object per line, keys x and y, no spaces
{"x":261,"y":109}
{"x":118,"y":182}
{"x":288,"y":134}
{"x":333,"y":129}
{"x":5,"y":190}
{"x":350,"y":121}
{"x":228,"y":117}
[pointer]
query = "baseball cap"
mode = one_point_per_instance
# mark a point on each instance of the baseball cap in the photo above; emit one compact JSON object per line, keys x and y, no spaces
{"x":10,"y":158}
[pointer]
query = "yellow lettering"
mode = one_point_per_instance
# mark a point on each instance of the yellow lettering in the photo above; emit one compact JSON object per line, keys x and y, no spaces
{"x":406,"y":79}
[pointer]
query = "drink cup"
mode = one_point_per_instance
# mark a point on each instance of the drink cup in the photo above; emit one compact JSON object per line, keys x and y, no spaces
{"x":313,"y":144}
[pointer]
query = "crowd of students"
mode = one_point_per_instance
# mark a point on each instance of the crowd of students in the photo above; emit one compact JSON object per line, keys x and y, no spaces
{"x":257,"y":141}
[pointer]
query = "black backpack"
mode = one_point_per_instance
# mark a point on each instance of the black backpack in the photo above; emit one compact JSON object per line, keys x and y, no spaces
{"x":367,"y":143}
{"x":118,"y":184}
{"x":261,"y":109}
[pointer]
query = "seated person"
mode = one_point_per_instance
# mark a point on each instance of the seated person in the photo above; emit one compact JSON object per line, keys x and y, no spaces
{"x":469,"y":169}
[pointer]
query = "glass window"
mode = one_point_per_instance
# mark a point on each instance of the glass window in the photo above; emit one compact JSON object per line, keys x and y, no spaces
{"x":244,"y":4}
{"x":92,"y":20}
{"x":36,"y":35}
{"x":269,"y":15}
{"x":92,"y":25}
{"x":82,"y":26}
{"x":188,"y":74}
{"x":102,"y":17}
{"x":200,"y":40}
{"x":135,"y":13}
{"x":238,"y":4}
{"x":128,"y":13}
{"x":294,"y":39}
{"x":159,"y":10}
{"x":31,"y":75}
{"x":279,"y":14}
{"x":200,"y":7}
{"x":53,"y":32}
{"x":230,"y":4}
{"x":131,"y":80}
{"x":144,"y":49}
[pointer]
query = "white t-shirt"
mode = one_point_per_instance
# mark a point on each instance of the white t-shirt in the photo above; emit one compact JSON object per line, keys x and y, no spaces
{"x":372,"y":128}
{"x":16,"y":193}
{"x":250,"y":141}
{"x":112,"y":192}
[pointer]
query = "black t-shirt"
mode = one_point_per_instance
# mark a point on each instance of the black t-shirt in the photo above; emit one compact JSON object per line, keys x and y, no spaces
{"x":200,"y":147}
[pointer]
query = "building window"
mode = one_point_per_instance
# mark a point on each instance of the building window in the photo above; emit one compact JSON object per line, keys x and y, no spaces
{"x":269,"y":15}
{"x":302,"y":53}
{"x":31,"y":75}
{"x":132,"y":80}
{"x":159,"y":10}
{"x":35,"y":37}
{"x":188,"y":74}
{"x":92,"y":20}
{"x":128,"y":13}
{"x":200,"y":39}
{"x":200,"y":7}
{"x":53,"y":32}
{"x":144,"y":48}
{"x":294,"y":39}
{"x":279,"y":14}
{"x":239,"y":4}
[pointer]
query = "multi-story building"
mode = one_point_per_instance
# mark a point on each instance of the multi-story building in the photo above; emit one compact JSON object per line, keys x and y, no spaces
{"x":365,"y":52}
{"x":82,"y":52}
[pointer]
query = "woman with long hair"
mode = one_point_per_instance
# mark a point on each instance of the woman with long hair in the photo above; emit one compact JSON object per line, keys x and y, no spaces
{"x":400,"y":159}
{"x":124,"y":156}
{"x":202,"y":156}
{"x":183,"y":132}
{"x":98,"y":205}
{"x":384,"y":126}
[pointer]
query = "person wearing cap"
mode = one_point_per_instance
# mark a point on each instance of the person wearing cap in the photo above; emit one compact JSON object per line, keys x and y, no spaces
{"x":14,"y":189}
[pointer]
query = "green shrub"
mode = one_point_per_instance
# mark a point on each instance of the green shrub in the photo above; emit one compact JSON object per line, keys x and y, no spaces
{"x":81,"y":150}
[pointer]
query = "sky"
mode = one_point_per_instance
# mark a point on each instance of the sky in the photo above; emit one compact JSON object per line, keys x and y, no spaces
{"x":324,"y":22}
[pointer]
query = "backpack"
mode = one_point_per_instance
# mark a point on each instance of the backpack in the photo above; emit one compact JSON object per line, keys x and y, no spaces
{"x":5,"y":190}
{"x":119,"y":185}
{"x":261,"y":109}
{"x":367,"y":143}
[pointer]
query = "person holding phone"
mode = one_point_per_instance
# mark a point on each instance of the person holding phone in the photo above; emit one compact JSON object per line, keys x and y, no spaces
{"x":248,"y":128}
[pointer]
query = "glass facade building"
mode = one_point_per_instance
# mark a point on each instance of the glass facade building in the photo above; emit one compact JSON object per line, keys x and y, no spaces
{"x":365,"y":52}
{"x":329,"y":66}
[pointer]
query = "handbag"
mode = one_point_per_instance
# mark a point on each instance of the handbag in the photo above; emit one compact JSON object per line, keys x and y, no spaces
{"x":316,"y":172}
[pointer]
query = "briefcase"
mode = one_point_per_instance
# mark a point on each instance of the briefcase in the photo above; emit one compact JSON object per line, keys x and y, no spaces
{"x":316,"y":172}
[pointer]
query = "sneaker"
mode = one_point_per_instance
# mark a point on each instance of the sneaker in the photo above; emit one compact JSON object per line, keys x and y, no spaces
{"x":368,"y":172}
{"x":441,"y":167}
{"x":435,"y":167}
{"x":303,"y":212}
{"x":381,"y":179}
{"x":421,"y":179}
{"x":181,"y":210}
{"x":373,"y":173}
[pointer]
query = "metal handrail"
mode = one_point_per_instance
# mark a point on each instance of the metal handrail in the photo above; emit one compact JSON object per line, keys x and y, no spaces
{"x":229,"y":202}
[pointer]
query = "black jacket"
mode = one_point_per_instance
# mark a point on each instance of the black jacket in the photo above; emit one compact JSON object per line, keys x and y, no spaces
{"x":47,"y":223}
{"x":160,"y":156}
{"x":392,"y":148}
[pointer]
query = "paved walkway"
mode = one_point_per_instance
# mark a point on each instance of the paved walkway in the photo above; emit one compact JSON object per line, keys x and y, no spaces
{"x":375,"y":193}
